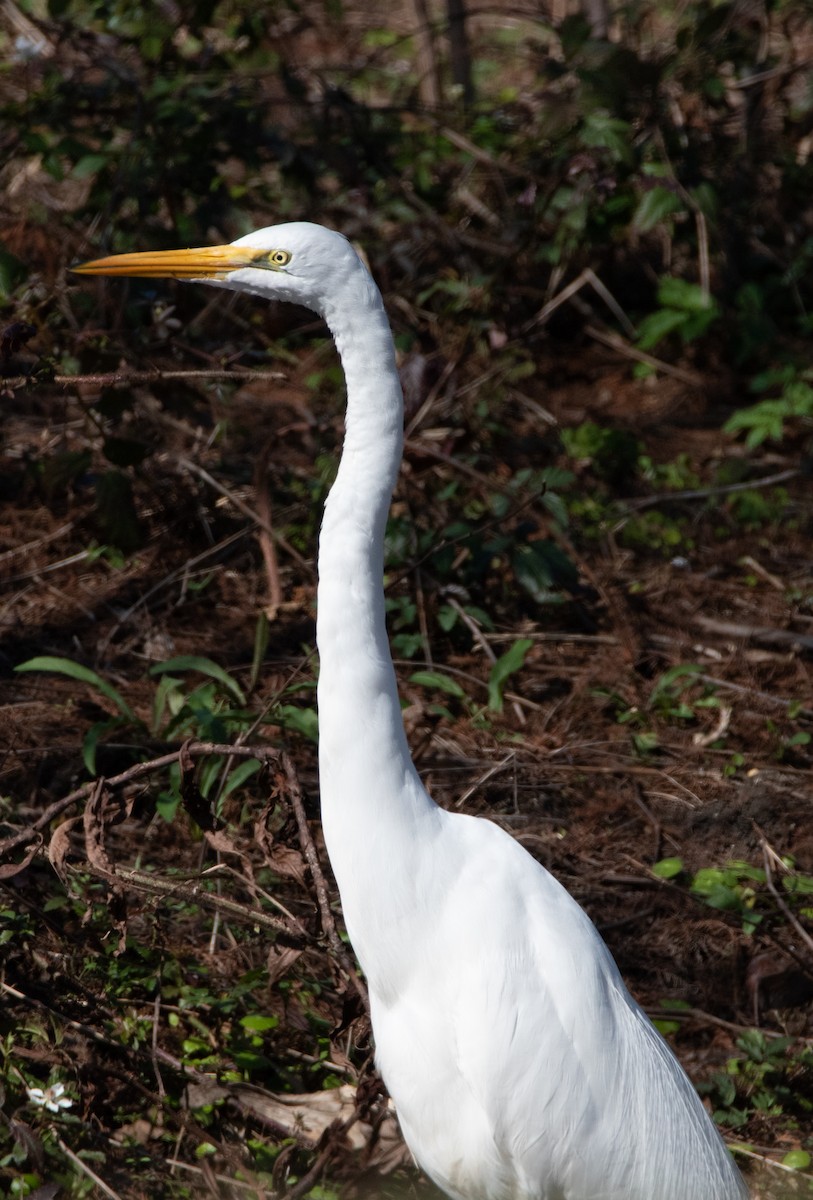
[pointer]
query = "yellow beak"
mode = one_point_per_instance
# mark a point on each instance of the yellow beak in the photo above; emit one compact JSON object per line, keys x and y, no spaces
{"x":208,"y":262}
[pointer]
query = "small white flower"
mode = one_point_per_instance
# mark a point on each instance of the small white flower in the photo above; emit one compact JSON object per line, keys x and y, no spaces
{"x":52,"y":1098}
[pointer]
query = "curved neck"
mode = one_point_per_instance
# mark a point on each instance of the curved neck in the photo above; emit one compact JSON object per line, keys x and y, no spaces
{"x":369,"y":787}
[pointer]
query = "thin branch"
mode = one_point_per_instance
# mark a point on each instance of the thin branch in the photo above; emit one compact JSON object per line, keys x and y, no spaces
{"x":480,"y":639}
{"x":180,"y":573}
{"x":779,"y":701}
{"x":131,"y":775}
{"x":84,"y":1169}
{"x":753,"y":633}
{"x":479,"y":155}
{"x":769,"y":855}
{"x":294,"y":792}
{"x":116,"y":378}
{"x":772,"y":73}
{"x":726,"y":489}
{"x":244,"y":508}
{"x":429,"y":80}
{"x":617,"y":343}
{"x":156,"y":1018}
{"x":190,"y":891}
{"x":266,"y":534}
{"x":493,"y":770}
{"x":304,"y":1185}
{"x":27,"y":547}
{"x":703,"y":267}
{"x":587,"y":276}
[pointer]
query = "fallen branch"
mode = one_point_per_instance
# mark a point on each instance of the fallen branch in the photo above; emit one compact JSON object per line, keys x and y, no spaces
{"x":191,"y":892}
{"x":726,"y":489}
{"x":265,"y":754}
{"x":117,"y":378}
{"x":617,"y":343}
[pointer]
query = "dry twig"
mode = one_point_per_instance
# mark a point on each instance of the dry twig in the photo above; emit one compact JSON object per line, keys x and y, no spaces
{"x":294,"y":792}
{"x":137,"y":772}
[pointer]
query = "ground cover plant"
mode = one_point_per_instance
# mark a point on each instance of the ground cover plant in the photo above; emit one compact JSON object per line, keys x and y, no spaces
{"x":593,"y":232}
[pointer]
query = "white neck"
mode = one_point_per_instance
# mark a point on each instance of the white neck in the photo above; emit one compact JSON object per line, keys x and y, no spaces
{"x":370,"y":791}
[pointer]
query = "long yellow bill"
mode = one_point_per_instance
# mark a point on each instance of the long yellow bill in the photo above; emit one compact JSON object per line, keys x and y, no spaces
{"x":208,"y":262}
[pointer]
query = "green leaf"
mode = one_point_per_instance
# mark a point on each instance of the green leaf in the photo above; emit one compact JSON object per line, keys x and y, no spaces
{"x":706,"y":200}
{"x":259,"y":1024}
{"x":667,"y":868}
{"x":798,"y":885}
{"x":260,"y":647}
{"x":797,"y":1160}
{"x":798,"y":396}
{"x":163,"y":700}
{"x":653,"y":206}
{"x":664,"y":684}
{"x":764,"y":420}
{"x":657,"y":325}
{"x":696,"y":324}
{"x":89,"y":164}
{"x":167,"y":805}
{"x":679,"y":293}
{"x":543,"y":569}
{"x":57,"y":472}
{"x":610,"y":133}
{"x":645,"y":742}
{"x":447,"y":617}
{"x":74,"y":670}
{"x":708,"y":880}
{"x":443,"y":683}
{"x":506,"y":666}
{"x":239,"y":775}
{"x":301,"y":720}
{"x":196,"y":662}
{"x":664,"y":1027}
{"x":12,"y":272}
{"x":92,"y":737}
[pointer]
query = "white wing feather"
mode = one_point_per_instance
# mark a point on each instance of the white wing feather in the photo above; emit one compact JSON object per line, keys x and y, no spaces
{"x":533,"y":1073}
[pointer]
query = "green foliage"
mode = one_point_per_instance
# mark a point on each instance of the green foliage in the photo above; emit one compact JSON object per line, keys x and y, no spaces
{"x":677,"y":475}
{"x":439,"y":681}
{"x":654,"y":530}
{"x":12,"y":273}
{"x":742,"y":889}
{"x":770,"y":1077}
{"x":73,"y":670}
{"x":767,"y":419}
{"x":654,"y":206}
{"x":543,"y":569}
{"x":797,"y":1160}
{"x":668,"y":868}
{"x":204,"y":666}
{"x":685,"y":309}
{"x":204,"y":711}
{"x":612,"y":453}
{"x":731,"y":889}
{"x":673,"y":694}
{"x":506,"y":665}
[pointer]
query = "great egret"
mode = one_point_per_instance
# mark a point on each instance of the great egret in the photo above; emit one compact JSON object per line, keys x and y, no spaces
{"x":520,"y":1066}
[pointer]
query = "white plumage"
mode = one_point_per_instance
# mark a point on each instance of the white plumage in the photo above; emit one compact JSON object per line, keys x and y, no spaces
{"x":520,"y":1066}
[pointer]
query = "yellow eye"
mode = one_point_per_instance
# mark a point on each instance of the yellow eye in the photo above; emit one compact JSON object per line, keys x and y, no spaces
{"x":279,"y":258}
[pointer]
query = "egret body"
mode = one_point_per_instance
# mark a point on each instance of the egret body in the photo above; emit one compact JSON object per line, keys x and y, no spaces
{"x":520,"y":1066}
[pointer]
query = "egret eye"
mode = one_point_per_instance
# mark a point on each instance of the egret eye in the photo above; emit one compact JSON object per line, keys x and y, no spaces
{"x":279,"y":258}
